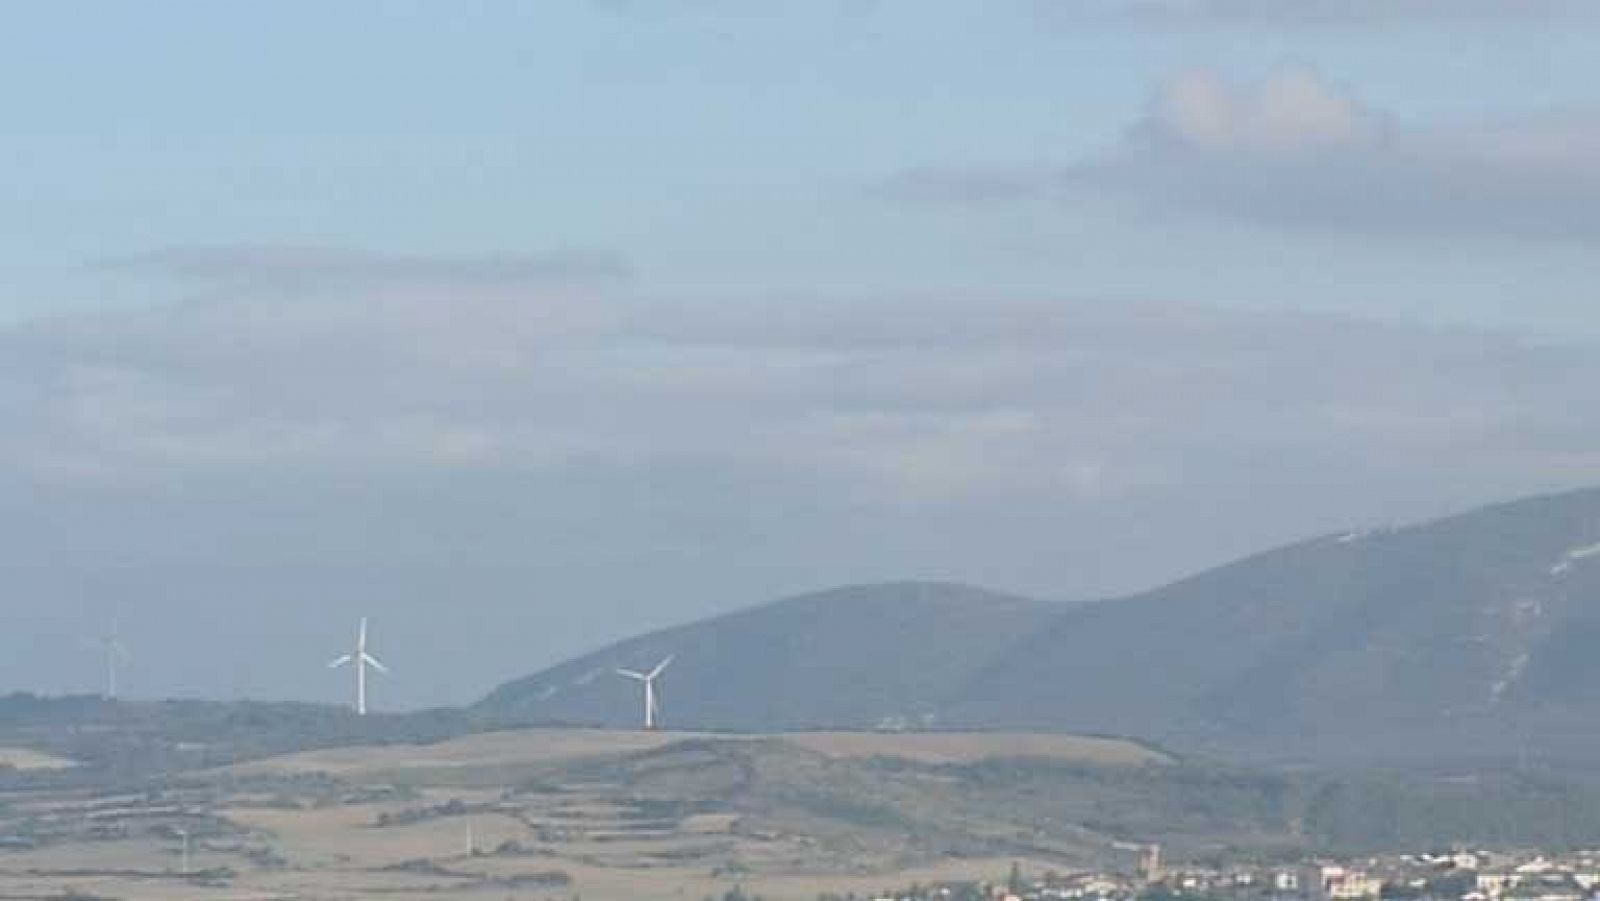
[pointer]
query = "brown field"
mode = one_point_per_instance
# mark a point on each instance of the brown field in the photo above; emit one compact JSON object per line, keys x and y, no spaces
{"x":537,"y":746}
{"x":550,"y":814}
{"x":487,"y":749}
{"x":970,"y":747}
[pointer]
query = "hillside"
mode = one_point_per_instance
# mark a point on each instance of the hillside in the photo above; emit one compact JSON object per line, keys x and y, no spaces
{"x":532,"y":749}
{"x":820,"y":802}
{"x":1459,"y":635}
{"x":630,"y":814}
{"x":850,"y":657}
{"x":1467,"y":636}
{"x":85,"y":741}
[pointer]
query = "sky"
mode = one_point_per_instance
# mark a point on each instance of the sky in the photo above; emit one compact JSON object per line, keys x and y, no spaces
{"x":521,"y":328}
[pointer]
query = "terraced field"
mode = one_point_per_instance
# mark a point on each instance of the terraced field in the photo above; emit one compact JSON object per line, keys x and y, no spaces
{"x":554,"y":814}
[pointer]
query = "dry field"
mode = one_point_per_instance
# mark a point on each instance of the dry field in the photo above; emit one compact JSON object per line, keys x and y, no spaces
{"x":489,"y":749}
{"x":337,"y":824}
{"x":538,"y":746}
{"x":970,"y":747}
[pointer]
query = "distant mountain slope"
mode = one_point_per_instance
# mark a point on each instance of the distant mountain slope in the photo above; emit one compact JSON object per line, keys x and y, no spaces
{"x":1469,"y":632}
{"x":848,"y":657}
{"x":1476,"y":634}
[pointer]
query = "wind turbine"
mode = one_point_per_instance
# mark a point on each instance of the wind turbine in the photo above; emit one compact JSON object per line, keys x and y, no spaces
{"x":652,"y":701}
{"x":183,"y":854}
{"x":116,"y":652}
{"x":362,"y":660}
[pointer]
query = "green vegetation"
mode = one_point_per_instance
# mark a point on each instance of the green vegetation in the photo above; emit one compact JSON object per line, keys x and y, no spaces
{"x":1031,"y":806}
{"x":1337,"y":811}
{"x":121,"y":743}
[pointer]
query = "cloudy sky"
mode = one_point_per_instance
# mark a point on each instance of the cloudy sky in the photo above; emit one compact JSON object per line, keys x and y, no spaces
{"x":522,"y":327}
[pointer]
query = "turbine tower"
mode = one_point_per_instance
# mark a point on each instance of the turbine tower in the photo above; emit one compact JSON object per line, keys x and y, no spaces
{"x":116,"y":652}
{"x":652,"y":700}
{"x":361,"y":659}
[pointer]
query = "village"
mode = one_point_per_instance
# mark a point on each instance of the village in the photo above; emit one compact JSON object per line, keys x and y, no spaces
{"x":1454,"y":875}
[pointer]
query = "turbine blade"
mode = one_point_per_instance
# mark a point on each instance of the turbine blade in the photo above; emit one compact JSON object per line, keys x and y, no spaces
{"x":373,"y":662}
{"x":632,"y":675}
{"x":662,"y":666}
{"x":338,"y":662}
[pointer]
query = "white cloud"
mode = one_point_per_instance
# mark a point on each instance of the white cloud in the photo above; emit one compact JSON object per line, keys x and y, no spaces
{"x":1296,"y":150}
{"x":1293,"y":113}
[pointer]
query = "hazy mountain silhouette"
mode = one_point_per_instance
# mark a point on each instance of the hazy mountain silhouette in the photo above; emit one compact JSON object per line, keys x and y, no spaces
{"x":847,"y":657}
{"x":1471,"y":635}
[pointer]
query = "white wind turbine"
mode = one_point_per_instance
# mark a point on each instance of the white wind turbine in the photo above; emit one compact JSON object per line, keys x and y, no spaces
{"x":115,"y":652}
{"x":652,"y":700}
{"x":362,"y":660}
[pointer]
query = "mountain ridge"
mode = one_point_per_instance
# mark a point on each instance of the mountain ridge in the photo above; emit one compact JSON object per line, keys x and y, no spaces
{"x":1465,"y":631}
{"x":855,"y":626}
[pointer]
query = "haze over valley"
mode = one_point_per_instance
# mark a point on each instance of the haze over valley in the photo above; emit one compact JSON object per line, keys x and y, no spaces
{"x":918,"y":450}
{"x":626,"y":317}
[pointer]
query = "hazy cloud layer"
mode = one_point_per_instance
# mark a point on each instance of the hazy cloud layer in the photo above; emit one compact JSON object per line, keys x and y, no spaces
{"x":936,"y":397}
{"x":1319,"y":13}
{"x":1296,"y":150}
{"x":306,"y":266}
{"x":575,"y":466}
